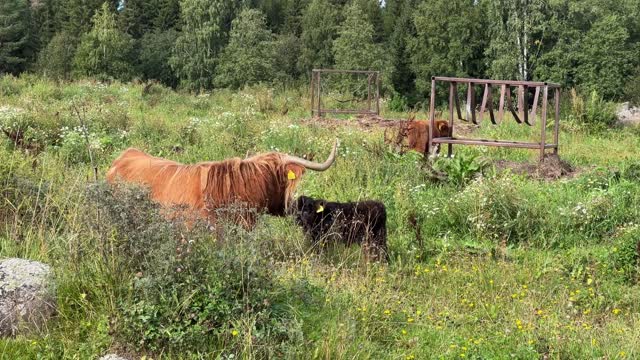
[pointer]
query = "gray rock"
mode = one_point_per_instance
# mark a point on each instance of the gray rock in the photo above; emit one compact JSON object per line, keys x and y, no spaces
{"x":112,"y":357}
{"x":27,"y":296}
{"x":628,"y":115}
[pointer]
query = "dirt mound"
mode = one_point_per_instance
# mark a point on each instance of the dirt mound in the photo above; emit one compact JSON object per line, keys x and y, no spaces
{"x":551,"y":168}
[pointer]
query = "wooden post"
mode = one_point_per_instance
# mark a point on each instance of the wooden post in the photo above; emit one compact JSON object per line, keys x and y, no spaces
{"x":377,"y":92}
{"x":525,"y":104}
{"x":452,"y":96}
{"x":319,"y":96}
{"x":483,"y":106}
{"x":471,"y":103}
{"x":503,"y":91}
{"x":521,"y":105}
{"x":313,"y":95}
{"x":369,"y":92}
{"x":534,"y":107}
{"x":556,"y":125}
{"x":432,"y":115}
{"x":543,"y":122}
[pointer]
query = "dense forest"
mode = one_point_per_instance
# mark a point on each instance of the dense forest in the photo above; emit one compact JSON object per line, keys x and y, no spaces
{"x":592,"y":45}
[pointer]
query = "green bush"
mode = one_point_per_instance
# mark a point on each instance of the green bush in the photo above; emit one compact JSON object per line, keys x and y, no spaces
{"x":593,"y":113}
{"x":188,"y":291}
{"x":461,"y":168}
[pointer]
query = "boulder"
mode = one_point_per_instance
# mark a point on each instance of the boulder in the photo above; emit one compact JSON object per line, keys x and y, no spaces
{"x":27,"y":296}
{"x":628,"y":115}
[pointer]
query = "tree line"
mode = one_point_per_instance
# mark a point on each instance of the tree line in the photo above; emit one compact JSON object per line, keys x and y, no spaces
{"x":592,"y":45}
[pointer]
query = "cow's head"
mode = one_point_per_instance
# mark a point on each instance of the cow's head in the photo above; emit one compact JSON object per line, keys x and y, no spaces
{"x":307,"y":210}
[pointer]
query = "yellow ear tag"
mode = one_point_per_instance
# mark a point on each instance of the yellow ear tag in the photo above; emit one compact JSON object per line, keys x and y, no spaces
{"x":320,"y":209}
{"x":291,"y":175}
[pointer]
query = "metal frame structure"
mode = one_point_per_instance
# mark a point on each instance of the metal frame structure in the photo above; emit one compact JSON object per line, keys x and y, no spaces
{"x":521,"y":115}
{"x":316,"y":92}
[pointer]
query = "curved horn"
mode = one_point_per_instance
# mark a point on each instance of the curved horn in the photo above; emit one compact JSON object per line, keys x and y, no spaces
{"x":314,"y":165}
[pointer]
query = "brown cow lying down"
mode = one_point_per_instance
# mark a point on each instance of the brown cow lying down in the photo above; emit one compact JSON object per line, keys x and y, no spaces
{"x":361,"y":222}
{"x":264,"y":182}
{"x":417,"y":133}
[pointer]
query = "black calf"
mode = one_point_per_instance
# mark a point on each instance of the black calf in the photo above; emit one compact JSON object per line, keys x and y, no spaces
{"x":361,"y":222}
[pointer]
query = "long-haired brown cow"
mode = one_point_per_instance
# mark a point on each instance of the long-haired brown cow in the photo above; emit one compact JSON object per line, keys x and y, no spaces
{"x":417,"y":133}
{"x":264,"y":182}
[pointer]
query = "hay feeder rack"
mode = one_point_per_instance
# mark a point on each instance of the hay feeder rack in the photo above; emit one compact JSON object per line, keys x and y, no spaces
{"x":521,"y":114}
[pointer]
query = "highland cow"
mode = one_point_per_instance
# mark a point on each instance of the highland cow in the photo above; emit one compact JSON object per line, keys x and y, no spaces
{"x":362,"y":222}
{"x":263,"y":182}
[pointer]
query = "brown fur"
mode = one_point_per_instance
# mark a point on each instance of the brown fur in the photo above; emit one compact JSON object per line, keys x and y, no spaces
{"x":417,"y":133}
{"x":259,"y":182}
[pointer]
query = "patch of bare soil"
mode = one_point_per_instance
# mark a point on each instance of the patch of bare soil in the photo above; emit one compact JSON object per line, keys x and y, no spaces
{"x":551,"y":168}
{"x":363,"y":122}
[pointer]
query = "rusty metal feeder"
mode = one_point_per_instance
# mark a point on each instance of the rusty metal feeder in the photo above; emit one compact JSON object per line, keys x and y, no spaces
{"x":373,"y":78}
{"x":522,"y":115}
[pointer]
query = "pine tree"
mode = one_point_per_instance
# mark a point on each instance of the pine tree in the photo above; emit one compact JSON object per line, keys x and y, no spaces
{"x":196,"y":50}
{"x":248,"y":58}
{"x":105,"y":51}
{"x":76,"y":15}
{"x":402,"y":76}
{"x":14,"y":35}
{"x":319,"y":29}
{"x":355,"y":48}
{"x":373,"y":14}
{"x":153,"y":58}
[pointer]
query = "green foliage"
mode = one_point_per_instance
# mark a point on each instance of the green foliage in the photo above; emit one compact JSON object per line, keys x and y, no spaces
{"x":594,"y":113}
{"x":402,"y":76}
{"x":189,"y":290}
{"x":248,"y":58}
{"x":448,"y":39}
{"x":625,"y":255}
{"x":461,"y":168}
{"x":14,"y":35}
{"x":450,"y":288}
{"x":56,"y":59}
{"x":199,"y":44}
{"x":319,"y":29}
{"x":632,"y":89}
{"x":606,"y":57}
{"x":76,"y":16}
{"x":517,"y":28}
{"x":154,"y":54}
{"x":354,"y":48}
{"x":105,"y":52}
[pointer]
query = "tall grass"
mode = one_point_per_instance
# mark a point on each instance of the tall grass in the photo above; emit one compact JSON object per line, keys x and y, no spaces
{"x":495,"y":265}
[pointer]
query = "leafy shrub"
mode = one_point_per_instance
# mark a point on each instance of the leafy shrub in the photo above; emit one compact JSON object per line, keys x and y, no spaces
{"x":190,"y":291}
{"x":461,"y":168}
{"x":398,"y":103}
{"x":593,"y":113}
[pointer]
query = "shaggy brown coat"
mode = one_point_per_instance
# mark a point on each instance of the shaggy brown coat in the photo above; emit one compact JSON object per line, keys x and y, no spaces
{"x":264,"y":182}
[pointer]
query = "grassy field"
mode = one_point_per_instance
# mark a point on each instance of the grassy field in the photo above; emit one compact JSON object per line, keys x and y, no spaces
{"x":503,"y":266}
